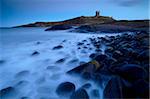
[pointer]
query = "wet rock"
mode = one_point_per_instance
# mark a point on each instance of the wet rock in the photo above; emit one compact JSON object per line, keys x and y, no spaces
{"x":73,"y":60}
{"x":38,"y":43}
{"x":86,"y":86}
{"x":131,"y":72}
{"x":84,"y":41}
{"x":95,"y":93}
{"x":109,"y":49}
{"x":113,"y":89}
{"x":141,"y":89}
{"x":61,"y":60}
{"x":100,"y":58}
{"x":23,"y":73}
{"x":22,"y":83}
{"x":59,"y":27}
{"x":57,"y":47}
{"x":2,"y":61}
{"x":143,"y":56}
{"x":78,"y":69}
{"x":6,"y":91}
{"x":85,"y":47}
{"x":64,"y":41}
{"x":80,"y":44}
{"x":117,"y":54}
{"x":53,"y":68}
{"x":98,"y":50}
{"x":35,"y":53}
{"x":65,"y":89}
{"x":80,"y":94}
{"x":25,"y":97}
{"x":86,"y":75}
{"x":88,"y":44}
{"x":93,"y":55}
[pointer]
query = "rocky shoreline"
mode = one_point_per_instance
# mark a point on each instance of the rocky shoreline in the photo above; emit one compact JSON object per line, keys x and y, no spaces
{"x":121,"y":61}
{"x":125,"y":63}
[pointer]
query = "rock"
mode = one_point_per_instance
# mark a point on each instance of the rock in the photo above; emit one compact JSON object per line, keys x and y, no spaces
{"x":61,"y":60}
{"x":35,"y":53}
{"x":98,"y":50}
{"x":86,"y":86}
{"x":79,"y":43}
{"x":38,"y":43}
{"x":117,"y":54}
{"x":85,"y":47}
{"x":5,"y":91}
{"x":131,"y":72}
{"x":86,"y":75}
{"x":93,"y":55}
{"x":109,"y":49}
{"x":23,"y":73}
{"x":85,"y":28}
{"x":143,"y":56}
{"x":53,"y":68}
{"x":73,"y":60}
{"x":59,"y":27}
{"x":95,"y":93}
{"x":80,"y":94}
{"x":113,"y":89}
{"x":78,"y":69}
{"x":100,"y":58}
{"x":2,"y":61}
{"x":58,"y":47}
{"x":25,"y":98}
{"x":64,"y":41}
{"x":65,"y":89}
{"x":141,"y":89}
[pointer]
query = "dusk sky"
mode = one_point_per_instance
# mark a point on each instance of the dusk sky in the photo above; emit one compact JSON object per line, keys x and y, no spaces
{"x":17,"y":12}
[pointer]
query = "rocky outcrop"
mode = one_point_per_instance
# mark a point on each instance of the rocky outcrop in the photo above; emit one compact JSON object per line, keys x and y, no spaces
{"x":59,"y":27}
{"x":73,"y":22}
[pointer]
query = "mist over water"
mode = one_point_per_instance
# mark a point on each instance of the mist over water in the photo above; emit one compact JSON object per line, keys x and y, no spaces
{"x":37,"y":77}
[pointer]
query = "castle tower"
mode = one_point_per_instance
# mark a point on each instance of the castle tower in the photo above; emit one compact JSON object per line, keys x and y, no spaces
{"x":97,"y":14}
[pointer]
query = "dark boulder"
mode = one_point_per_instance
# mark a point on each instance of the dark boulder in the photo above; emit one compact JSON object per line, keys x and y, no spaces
{"x":80,"y":94}
{"x":65,"y":89}
{"x":35,"y":53}
{"x":78,"y":69}
{"x":113,"y":89}
{"x":58,"y":47}
{"x":93,"y":55}
{"x":141,"y":88}
{"x":143,"y":56}
{"x":61,"y":60}
{"x":59,"y":27}
{"x":100,"y":58}
{"x":117,"y":54}
{"x":79,"y":43}
{"x":5,"y":91}
{"x":2,"y":61}
{"x":85,"y":28}
{"x":130,"y":72}
{"x":23,"y":73}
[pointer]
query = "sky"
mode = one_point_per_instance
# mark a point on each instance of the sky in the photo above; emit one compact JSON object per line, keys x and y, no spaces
{"x":18,"y":12}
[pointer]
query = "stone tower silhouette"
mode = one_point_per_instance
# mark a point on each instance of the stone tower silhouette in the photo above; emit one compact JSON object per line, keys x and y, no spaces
{"x":97,"y":14}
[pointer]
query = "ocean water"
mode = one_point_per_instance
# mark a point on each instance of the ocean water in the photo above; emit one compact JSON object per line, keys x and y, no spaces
{"x":37,"y":77}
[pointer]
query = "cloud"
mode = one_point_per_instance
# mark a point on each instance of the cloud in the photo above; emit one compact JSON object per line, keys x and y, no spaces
{"x":127,"y":3}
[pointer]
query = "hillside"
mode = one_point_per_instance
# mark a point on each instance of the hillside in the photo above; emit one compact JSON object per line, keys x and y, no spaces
{"x":75,"y":21}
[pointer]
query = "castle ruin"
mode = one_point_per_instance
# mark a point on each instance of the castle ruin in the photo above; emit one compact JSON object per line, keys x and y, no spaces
{"x":97,"y":14}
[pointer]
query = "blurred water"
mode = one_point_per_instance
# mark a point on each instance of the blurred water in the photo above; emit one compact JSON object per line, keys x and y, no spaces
{"x":36,"y":81}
